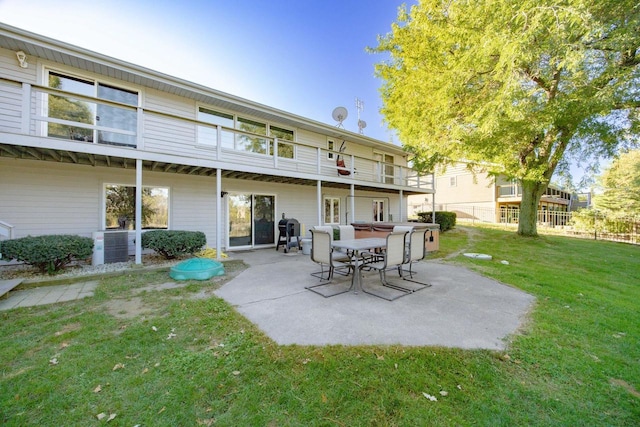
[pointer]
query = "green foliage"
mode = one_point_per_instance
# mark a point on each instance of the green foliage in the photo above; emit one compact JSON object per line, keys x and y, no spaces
{"x":593,"y":221}
{"x":172,"y":243}
{"x":49,"y":253}
{"x":574,"y":363}
{"x":621,"y":186}
{"x":447,"y":220}
{"x":519,"y":86}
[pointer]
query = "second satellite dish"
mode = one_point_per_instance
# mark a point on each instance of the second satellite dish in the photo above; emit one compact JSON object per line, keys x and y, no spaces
{"x":339,"y":114}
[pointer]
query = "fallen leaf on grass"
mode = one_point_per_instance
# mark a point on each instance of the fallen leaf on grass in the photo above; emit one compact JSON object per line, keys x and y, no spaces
{"x":64,"y":345}
{"x":206,"y":422}
{"x":53,"y":361}
{"x":118,"y":366}
{"x":97,"y":389}
{"x":164,"y":408}
{"x":171,"y":335}
{"x":145,"y":370}
{"x":112,"y":416}
{"x":236,"y":372}
{"x":154,"y":329}
{"x":443,"y":393}
{"x":431,"y":398}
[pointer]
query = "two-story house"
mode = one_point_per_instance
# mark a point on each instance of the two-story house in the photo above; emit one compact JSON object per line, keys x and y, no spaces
{"x":476,"y":196}
{"x":90,"y":143}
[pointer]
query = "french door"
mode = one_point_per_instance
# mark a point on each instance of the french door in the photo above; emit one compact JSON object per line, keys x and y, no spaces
{"x":251,"y":220}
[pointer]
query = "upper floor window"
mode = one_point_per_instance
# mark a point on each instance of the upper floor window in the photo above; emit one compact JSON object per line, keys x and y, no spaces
{"x":331,"y":147}
{"x":77,"y":118}
{"x":208,"y":135}
{"x":285,"y":150}
{"x":248,"y":136}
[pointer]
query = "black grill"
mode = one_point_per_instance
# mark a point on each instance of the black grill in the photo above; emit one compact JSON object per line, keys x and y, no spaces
{"x":289,"y":229}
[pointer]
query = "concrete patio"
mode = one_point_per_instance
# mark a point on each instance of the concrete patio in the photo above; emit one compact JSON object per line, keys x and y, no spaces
{"x":461,"y":309}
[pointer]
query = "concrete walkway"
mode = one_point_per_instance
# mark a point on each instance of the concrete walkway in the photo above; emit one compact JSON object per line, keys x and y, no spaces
{"x":461,"y":309}
{"x":48,"y":295}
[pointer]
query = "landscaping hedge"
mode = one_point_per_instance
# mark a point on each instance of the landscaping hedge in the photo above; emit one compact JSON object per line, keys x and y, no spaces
{"x":447,"y":220}
{"x":172,"y":243}
{"x":49,"y":253}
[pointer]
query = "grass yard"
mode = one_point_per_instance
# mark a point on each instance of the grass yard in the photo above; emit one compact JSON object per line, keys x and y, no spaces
{"x":177,"y":357}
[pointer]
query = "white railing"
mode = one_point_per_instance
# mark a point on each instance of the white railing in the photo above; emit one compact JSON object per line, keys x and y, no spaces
{"x":230,"y":145}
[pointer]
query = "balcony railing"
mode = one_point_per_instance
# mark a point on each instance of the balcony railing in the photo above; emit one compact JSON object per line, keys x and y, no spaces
{"x":168,"y":133}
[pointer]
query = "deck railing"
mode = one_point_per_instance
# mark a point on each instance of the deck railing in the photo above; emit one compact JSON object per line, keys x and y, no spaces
{"x":127,"y":126}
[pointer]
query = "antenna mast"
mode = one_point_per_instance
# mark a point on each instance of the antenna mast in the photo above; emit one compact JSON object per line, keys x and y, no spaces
{"x":361,"y":123}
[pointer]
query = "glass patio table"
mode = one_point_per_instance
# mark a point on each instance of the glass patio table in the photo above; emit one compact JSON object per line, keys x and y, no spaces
{"x":357,"y":246}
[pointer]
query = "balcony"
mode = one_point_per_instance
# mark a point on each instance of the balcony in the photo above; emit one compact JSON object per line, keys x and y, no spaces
{"x":102,"y":132}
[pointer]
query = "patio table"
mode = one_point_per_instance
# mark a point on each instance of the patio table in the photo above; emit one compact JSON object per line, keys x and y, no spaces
{"x":358,"y":246}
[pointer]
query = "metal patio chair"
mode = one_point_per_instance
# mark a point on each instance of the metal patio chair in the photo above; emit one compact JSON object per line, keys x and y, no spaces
{"x":393,"y":258}
{"x":322,"y":253}
{"x":415,"y":251}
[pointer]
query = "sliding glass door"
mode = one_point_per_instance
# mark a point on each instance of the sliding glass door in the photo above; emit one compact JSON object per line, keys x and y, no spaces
{"x":251,"y":220}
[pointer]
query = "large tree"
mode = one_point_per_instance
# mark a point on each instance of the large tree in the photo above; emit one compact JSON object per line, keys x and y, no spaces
{"x":519,"y":86}
{"x":620,"y":185}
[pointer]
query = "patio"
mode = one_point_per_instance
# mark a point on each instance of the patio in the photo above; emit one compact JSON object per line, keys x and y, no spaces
{"x":461,"y":309}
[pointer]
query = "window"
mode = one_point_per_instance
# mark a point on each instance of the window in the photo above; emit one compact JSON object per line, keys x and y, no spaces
{"x":120,"y":207}
{"x":251,"y":143}
{"x":285,"y":150}
{"x":332,"y":210}
{"x":93,"y":118}
{"x":387,"y":171}
{"x":208,"y":135}
{"x":378,"y":210}
{"x":331,"y":146}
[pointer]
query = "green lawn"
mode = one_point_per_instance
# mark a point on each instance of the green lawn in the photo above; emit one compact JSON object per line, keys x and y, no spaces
{"x":182,"y":361}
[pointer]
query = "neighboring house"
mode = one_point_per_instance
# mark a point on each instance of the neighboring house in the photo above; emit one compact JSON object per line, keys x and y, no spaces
{"x":474,"y":195}
{"x":90,"y":143}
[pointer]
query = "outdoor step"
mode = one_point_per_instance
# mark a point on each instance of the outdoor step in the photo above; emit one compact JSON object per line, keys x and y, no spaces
{"x":7,"y":285}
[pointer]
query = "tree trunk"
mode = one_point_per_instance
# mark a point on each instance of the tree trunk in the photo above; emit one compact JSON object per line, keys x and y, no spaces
{"x":531,"y":193}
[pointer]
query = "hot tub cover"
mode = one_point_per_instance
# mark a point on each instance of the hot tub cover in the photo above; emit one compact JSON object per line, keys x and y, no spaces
{"x":196,"y":269}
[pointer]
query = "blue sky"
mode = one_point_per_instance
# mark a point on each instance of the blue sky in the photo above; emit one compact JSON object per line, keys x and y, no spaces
{"x":304,"y":57}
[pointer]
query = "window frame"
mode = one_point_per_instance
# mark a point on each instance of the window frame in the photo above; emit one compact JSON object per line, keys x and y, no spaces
{"x":105,"y":215}
{"x":331,"y":199}
{"x":94,"y":127}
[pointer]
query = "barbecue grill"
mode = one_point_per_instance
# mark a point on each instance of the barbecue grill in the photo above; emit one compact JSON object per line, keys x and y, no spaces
{"x":289,"y":234}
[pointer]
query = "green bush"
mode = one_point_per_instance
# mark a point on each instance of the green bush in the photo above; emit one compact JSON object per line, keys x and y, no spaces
{"x":447,"y":220}
{"x":49,"y":253}
{"x":172,"y":243}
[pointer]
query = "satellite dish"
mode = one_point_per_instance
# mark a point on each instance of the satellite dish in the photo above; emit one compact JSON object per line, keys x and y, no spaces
{"x":339,"y":114}
{"x":361,"y":125}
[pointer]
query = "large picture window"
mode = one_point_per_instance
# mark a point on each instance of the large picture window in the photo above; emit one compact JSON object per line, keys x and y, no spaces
{"x":120,"y":207}
{"x":249,"y":141}
{"x":78,"y":119}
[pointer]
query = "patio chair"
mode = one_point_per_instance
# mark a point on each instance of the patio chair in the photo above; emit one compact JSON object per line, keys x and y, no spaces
{"x":393,"y":258}
{"x":337,"y":255}
{"x":415,"y":252}
{"x":321,"y":253}
{"x":347,"y":232}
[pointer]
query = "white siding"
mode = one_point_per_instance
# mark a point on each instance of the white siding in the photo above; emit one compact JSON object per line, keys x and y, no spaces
{"x":9,"y":67}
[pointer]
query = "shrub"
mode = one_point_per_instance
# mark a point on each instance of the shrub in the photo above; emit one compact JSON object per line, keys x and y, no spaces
{"x":49,"y":253}
{"x":171,"y":243}
{"x":447,"y":220}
